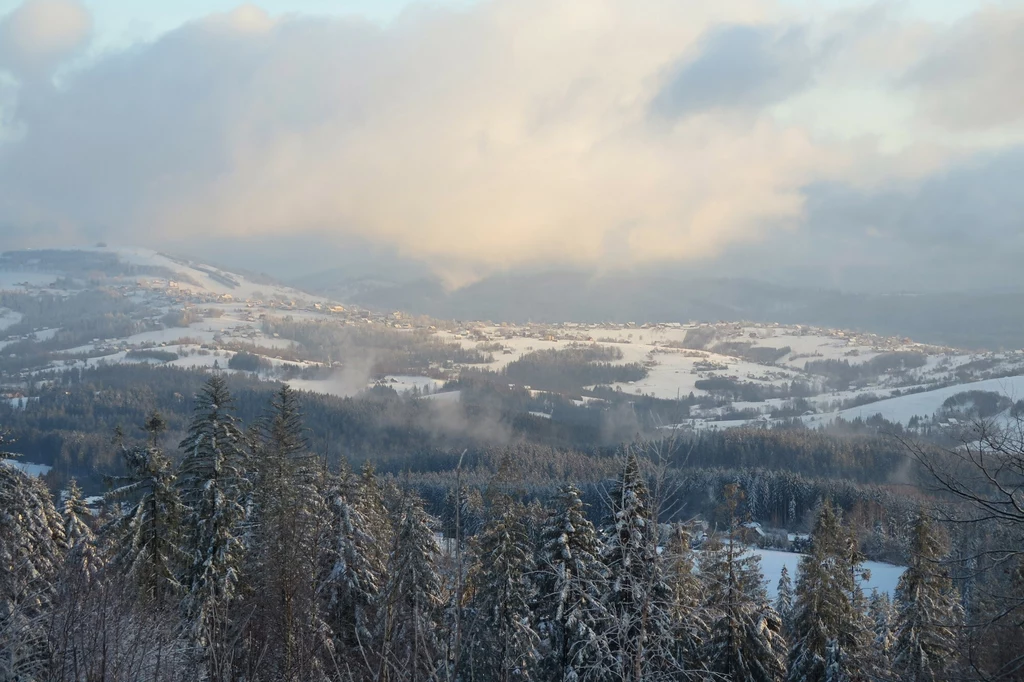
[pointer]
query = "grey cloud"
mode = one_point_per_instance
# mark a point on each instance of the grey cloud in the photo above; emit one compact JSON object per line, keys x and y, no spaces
{"x":743,"y":66}
{"x":959,"y":229}
{"x":973,"y":76}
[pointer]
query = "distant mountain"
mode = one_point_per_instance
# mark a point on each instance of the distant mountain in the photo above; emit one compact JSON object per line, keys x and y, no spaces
{"x":971,"y":320}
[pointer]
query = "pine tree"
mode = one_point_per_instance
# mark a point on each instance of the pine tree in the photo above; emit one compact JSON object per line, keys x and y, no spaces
{"x":412,"y":600}
{"x":213,"y":484}
{"x":569,"y":578}
{"x":638,"y":599}
{"x":500,"y":645}
{"x":144,"y":537}
{"x":784,"y":601}
{"x":927,"y":612}
{"x":830,"y":640}
{"x":32,"y":548}
{"x":285,"y":517}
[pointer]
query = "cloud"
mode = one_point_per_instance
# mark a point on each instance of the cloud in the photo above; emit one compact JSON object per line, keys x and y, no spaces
{"x":740,"y":65}
{"x":511,"y":133}
{"x":972,"y":76}
{"x":40,"y":34}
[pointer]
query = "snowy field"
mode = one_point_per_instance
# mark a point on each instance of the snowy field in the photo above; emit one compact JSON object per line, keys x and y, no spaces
{"x":29,"y":468}
{"x":883,"y":576}
{"x":903,"y":408}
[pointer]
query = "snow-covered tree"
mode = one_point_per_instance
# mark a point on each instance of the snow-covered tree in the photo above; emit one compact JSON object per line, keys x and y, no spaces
{"x":32,"y":548}
{"x":784,"y":601}
{"x":746,"y":641}
{"x":637,"y":597}
{"x":830,"y":638}
{"x":500,"y":644}
{"x":82,"y":557}
{"x":412,"y":601}
{"x":571,"y":618}
{"x":881,"y":615}
{"x":928,"y":612}
{"x":212,"y":482}
{"x":144,"y":537}
{"x":689,"y":621}
{"x":356,"y":566}
{"x":286,"y":515}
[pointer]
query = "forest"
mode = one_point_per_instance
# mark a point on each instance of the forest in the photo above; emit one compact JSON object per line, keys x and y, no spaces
{"x":246,"y":554}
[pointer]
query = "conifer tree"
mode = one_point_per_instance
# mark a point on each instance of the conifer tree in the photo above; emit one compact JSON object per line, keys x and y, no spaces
{"x":356,"y":567}
{"x":637,"y":597}
{"x":501,"y":645}
{"x":880,"y":614}
{"x":689,"y":621}
{"x":830,"y":640}
{"x":928,"y":612}
{"x":144,"y":538}
{"x":784,"y":601}
{"x":212,"y":481}
{"x":83,"y":557}
{"x":746,"y":641}
{"x":569,"y":577}
{"x":412,"y":600}
{"x":32,"y":548}
{"x":285,"y":517}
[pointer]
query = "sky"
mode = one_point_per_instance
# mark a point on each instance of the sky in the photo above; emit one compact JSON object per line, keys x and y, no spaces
{"x":837,"y":143}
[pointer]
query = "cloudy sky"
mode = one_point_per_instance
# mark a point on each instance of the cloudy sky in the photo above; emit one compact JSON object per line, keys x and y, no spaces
{"x":865,"y":145}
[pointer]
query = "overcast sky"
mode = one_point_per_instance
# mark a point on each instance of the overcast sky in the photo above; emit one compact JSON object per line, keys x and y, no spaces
{"x":834,"y":142}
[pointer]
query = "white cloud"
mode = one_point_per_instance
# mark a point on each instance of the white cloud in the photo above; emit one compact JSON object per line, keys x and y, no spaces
{"x":516,"y":132}
{"x":39,"y":34}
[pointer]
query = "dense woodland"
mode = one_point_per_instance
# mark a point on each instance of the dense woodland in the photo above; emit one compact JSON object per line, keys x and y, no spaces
{"x":244,"y":554}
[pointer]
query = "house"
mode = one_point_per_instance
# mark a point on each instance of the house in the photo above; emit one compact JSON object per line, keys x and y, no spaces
{"x":751,"y":533}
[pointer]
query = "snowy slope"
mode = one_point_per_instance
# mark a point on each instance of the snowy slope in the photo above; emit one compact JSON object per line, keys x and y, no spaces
{"x":903,"y":408}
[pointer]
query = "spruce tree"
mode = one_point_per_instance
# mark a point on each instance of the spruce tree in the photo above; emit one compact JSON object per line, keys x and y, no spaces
{"x":569,"y":578}
{"x":412,"y":600}
{"x":144,"y":538}
{"x":501,"y":645}
{"x":784,"y":601}
{"x":928,"y":612}
{"x":32,"y":548}
{"x":830,"y":640}
{"x":355,"y":567}
{"x":212,"y":482}
{"x":689,"y":620}
{"x":82,"y":557}
{"x":285,"y":517}
{"x":881,"y":615}
{"x":637,"y":597}
{"x":746,"y":642}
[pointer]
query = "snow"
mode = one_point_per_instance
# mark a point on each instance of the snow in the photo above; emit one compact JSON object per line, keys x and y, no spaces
{"x":21,"y":403}
{"x":29,"y":468}
{"x":403,"y":383}
{"x":15,"y":279}
{"x":883,"y":576}
{"x":447,"y":396}
{"x":901,"y":409}
{"x":9,"y":318}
